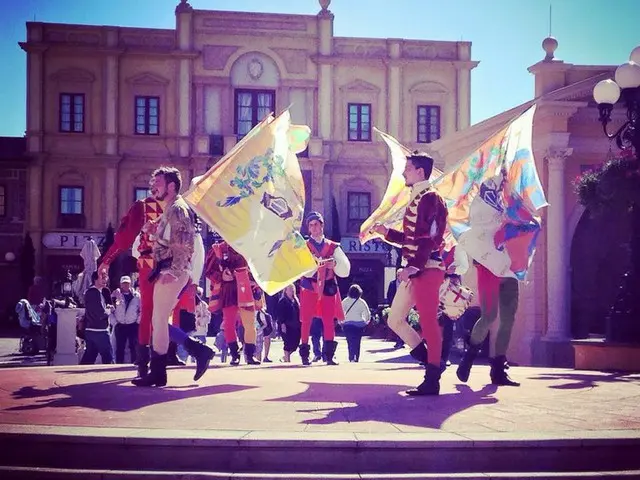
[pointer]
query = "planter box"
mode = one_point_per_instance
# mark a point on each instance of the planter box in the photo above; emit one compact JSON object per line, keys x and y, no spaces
{"x":600,"y":354}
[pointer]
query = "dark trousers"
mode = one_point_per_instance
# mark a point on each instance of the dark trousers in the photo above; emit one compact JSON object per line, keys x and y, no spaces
{"x":353,"y":334}
{"x":316,"y":334}
{"x":291,"y":338}
{"x":97,"y":343}
{"x":447,"y":335}
{"x":126,"y":334}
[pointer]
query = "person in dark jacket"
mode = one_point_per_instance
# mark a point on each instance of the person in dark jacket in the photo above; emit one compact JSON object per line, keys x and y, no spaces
{"x":288,"y":318}
{"x":96,"y":317}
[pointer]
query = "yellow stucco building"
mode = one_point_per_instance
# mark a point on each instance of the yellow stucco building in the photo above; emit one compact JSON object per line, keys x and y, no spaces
{"x":107,"y":105}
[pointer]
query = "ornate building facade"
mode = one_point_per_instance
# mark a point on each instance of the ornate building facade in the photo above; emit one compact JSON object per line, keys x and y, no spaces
{"x":107,"y":105}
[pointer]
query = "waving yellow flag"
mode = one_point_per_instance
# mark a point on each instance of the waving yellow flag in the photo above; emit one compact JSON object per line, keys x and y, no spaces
{"x":254,"y":199}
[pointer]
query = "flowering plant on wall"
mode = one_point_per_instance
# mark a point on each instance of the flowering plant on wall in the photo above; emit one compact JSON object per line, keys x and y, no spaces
{"x":614,"y":186}
{"x":613,"y":190}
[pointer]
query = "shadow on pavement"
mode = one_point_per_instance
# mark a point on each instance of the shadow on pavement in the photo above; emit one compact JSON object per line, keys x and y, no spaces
{"x":385,"y":403}
{"x":576,"y":381}
{"x":115,"y":396}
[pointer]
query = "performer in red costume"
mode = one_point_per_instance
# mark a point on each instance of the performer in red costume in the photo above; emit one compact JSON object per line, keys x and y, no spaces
{"x":422,"y":274}
{"x":319,"y":295}
{"x":234,"y":291}
{"x":140,"y":222}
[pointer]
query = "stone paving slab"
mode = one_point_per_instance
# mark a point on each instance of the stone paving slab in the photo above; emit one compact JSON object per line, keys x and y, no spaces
{"x":365,"y":401}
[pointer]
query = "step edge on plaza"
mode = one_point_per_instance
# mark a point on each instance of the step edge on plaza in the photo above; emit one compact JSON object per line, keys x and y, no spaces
{"x":97,"y":474}
{"x":227,"y":438}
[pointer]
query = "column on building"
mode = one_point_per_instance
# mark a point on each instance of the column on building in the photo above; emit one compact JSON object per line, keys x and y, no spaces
{"x":394,"y":89}
{"x":184,"y":20}
{"x":111,"y":129}
{"x":111,"y":94}
{"x":34,"y":215}
{"x":35,"y":133}
{"x":325,"y":87}
{"x":463,"y":100}
{"x":557,"y":247}
{"x":110,"y":197}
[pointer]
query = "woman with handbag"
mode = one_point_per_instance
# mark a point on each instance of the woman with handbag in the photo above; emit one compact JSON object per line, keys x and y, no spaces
{"x":356,"y":317}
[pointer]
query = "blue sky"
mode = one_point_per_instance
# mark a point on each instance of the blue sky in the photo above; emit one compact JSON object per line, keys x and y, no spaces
{"x":506,"y":35}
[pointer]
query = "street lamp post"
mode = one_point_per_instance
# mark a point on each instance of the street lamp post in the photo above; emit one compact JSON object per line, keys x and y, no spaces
{"x":624,"y":320}
{"x":626,"y":85}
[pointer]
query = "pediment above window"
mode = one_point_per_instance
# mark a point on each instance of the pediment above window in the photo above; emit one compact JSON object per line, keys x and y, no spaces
{"x":147,"y":78}
{"x":72,"y":177}
{"x":429,"y":87}
{"x":360,"y":86}
{"x":77,"y":75}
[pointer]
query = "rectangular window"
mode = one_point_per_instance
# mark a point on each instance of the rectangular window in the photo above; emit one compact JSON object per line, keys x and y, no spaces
{"x":140,"y":193}
{"x":72,"y":112}
{"x":3,"y":201}
{"x":147,"y":115}
{"x":428,"y":123}
{"x":252,"y":106}
{"x":359,"y":122}
{"x":71,"y":200}
{"x":359,"y":204}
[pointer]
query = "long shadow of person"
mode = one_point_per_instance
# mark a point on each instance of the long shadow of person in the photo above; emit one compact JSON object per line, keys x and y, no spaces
{"x":115,"y":395}
{"x":384,"y":403}
{"x":576,"y":381}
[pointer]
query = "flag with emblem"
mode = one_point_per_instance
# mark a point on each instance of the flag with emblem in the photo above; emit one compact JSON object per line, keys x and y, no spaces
{"x":391,"y":210}
{"x":493,"y":197}
{"x":254,"y":199}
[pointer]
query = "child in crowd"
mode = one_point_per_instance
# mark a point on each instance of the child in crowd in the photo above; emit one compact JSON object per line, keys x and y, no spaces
{"x":221,"y":344}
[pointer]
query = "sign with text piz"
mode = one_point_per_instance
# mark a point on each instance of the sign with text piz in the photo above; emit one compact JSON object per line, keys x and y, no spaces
{"x":70,"y":240}
{"x":353,"y":245}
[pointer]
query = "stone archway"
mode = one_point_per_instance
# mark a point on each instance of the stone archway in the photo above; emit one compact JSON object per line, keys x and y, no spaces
{"x":599,"y":258}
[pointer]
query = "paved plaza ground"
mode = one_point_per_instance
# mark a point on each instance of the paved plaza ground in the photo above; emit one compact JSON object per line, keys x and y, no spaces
{"x":352,"y":398}
{"x":353,"y":403}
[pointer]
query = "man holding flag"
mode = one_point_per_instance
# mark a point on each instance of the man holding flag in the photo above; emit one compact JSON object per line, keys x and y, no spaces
{"x":419,"y":280}
{"x":493,"y":197}
{"x":319,"y":296}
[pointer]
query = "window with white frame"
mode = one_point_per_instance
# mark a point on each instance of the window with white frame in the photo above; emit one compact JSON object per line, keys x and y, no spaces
{"x":359,"y":209}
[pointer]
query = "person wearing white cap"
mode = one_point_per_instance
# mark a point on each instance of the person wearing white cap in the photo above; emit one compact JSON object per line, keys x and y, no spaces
{"x":127,"y":318}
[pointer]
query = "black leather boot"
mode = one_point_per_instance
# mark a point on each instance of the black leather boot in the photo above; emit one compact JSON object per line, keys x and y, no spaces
{"x":157,"y":376}
{"x":329,"y":351}
{"x":431,"y":383}
{"x":420,"y":353}
{"x":249,"y":352}
{"x":464,"y":369}
{"x":499,"y":375}
{"x":172,"y":356}
{"x":233,"y":351}
{"x":202,"y":353}
{"x":142,"y":357}
{"x":304,"y":353}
